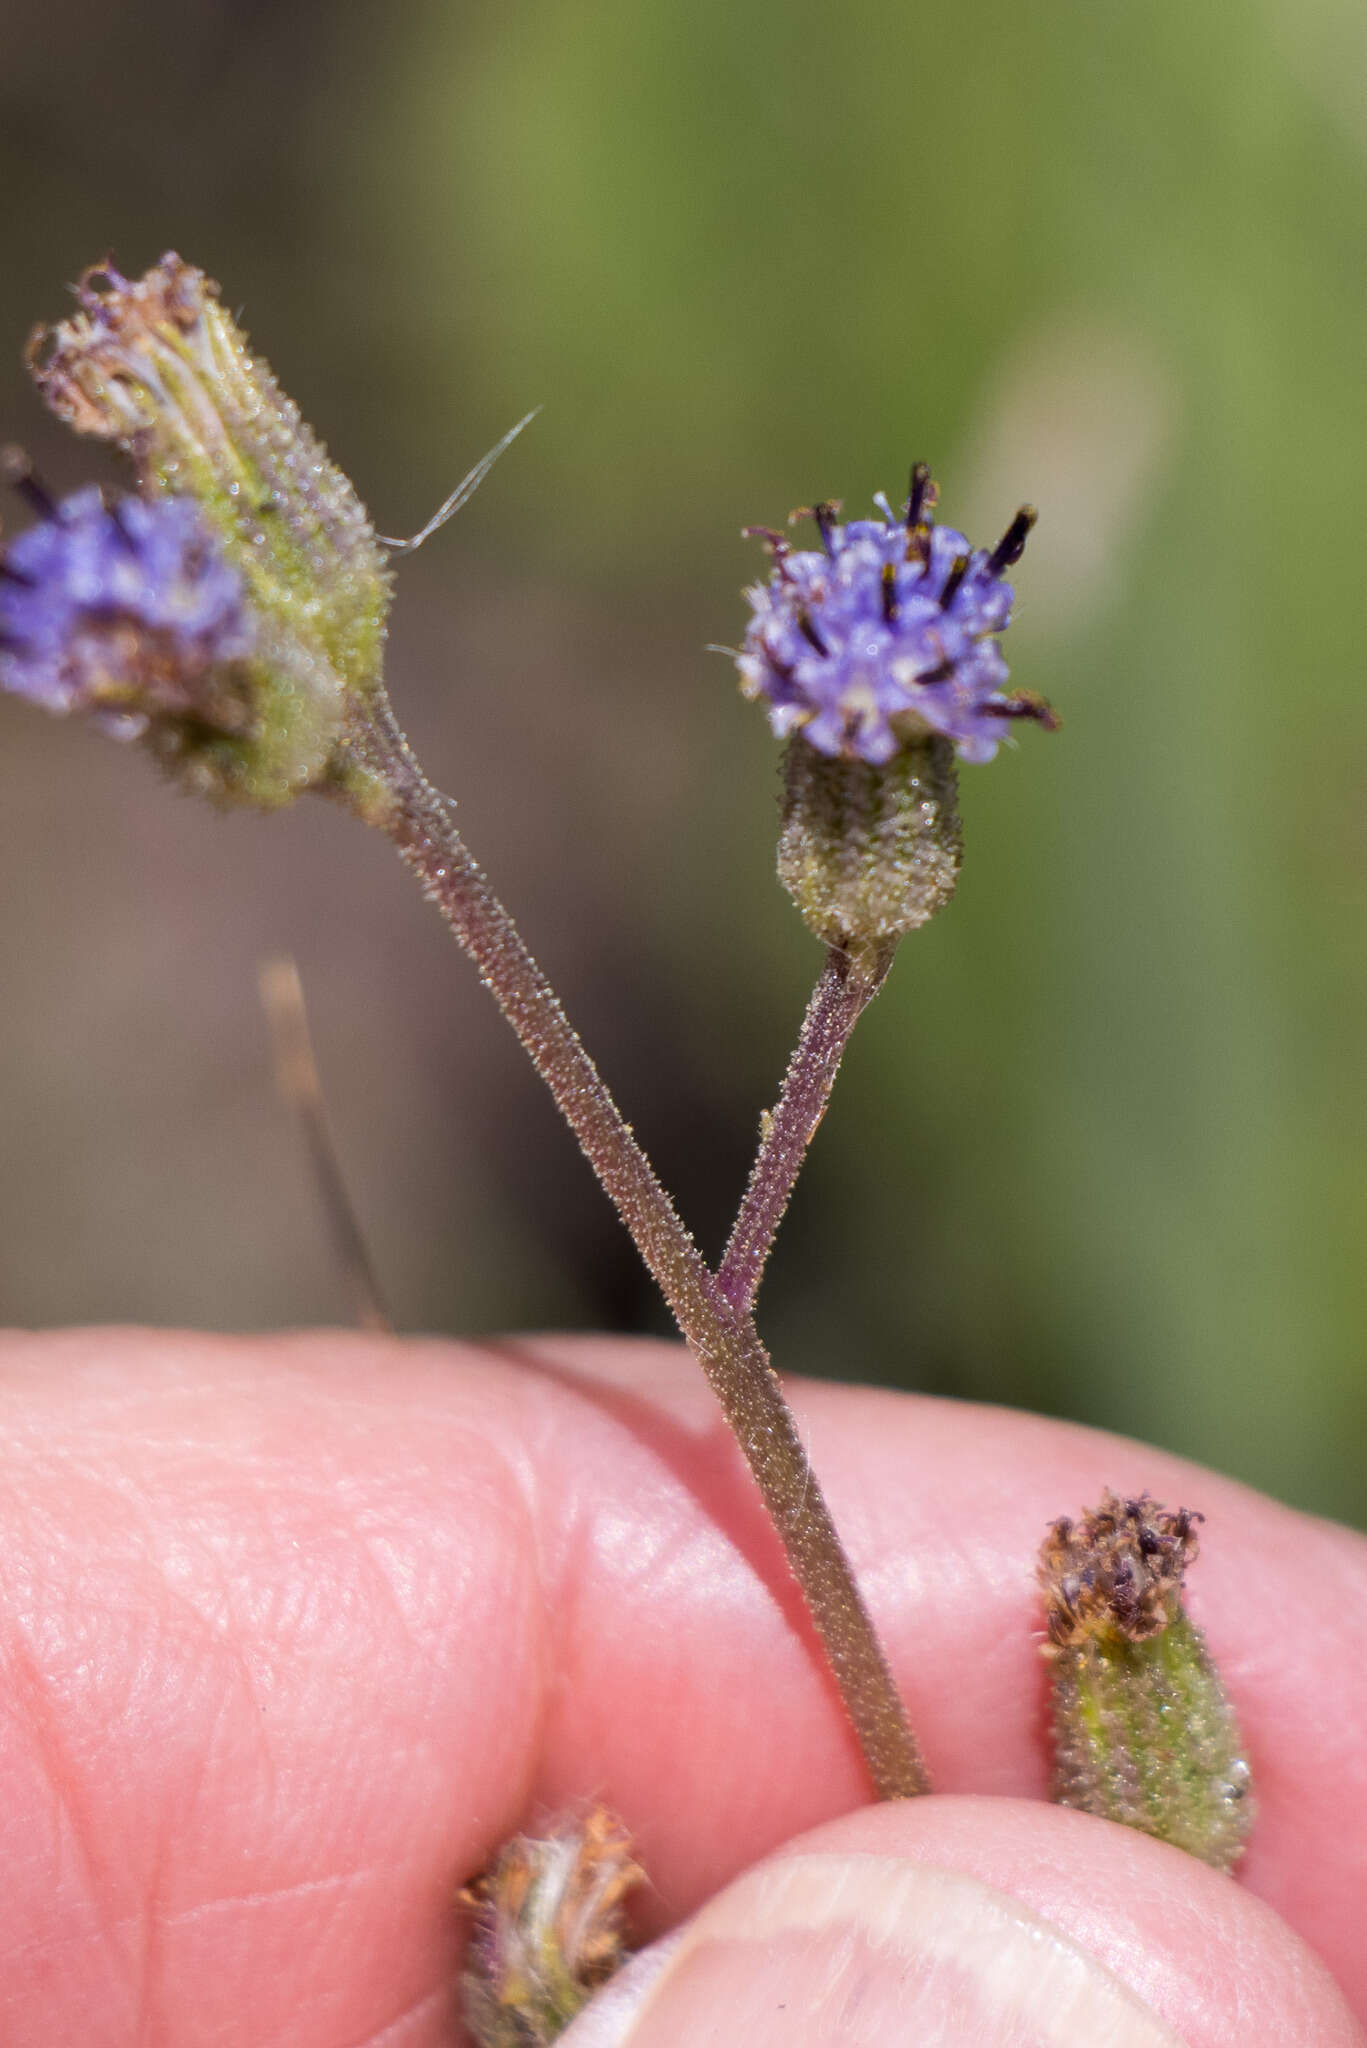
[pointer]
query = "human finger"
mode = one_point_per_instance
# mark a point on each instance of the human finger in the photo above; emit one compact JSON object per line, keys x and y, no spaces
{"x":298,"y":1630}
{"x":998,"y":1922}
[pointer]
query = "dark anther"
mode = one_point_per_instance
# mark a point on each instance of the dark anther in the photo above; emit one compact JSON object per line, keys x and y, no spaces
{"x":957,"y":572}
{"x":1025,"y":704}
{"x":809,"y":632}
{"x":778,"y":545}
{"x":921,"y":496}
{"x":941,"y":673}
{"x":918,"y":545}
{"x":1011,"y":546}
{"x":825,"y":515}
{"x":9,"y":574}
{"x":17,"y":471}
{"x":889,"y":593}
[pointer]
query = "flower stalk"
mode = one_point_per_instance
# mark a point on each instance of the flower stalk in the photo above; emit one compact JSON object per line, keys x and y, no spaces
{"x":876,"y":655}
{"x":847,"y":984}
{"x":233,"y":615}
{"x":421,"y":823}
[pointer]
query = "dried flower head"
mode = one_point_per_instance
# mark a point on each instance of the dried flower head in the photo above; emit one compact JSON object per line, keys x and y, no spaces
{"x":1143,"y":1731}
{"x":548,"y":1929}
{"x":239,"y":509}
{"x":128,"y":610}
{"x":887,"y":633}
{"x":1117,"y":1572}
{"x":156,"y":365}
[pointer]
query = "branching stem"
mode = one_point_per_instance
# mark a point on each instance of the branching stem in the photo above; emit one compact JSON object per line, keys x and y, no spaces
{"x":846,"y":986}
{"x":421,"y":823}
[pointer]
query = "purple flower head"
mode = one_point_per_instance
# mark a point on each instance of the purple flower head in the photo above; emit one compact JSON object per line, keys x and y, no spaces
{"x":127,"y":610}
{"x":887,"y":633}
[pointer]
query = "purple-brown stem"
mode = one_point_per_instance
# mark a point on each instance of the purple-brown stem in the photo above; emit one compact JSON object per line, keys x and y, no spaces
{"x":421,"y":823}
{"x":845,"y":987}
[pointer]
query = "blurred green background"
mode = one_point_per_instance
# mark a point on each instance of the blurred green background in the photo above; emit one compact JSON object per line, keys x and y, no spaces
{"x":1101,"y":1147}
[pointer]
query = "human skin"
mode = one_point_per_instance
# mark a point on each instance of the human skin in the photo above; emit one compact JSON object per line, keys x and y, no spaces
{"x":295,"y":1631}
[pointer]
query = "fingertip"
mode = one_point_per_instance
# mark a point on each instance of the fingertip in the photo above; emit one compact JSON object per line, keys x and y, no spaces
{"x":948,"y":1920}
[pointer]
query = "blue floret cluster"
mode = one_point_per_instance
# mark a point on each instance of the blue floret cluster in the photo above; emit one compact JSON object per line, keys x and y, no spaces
{"x":886,"y":633}
{"x":98,"y":602}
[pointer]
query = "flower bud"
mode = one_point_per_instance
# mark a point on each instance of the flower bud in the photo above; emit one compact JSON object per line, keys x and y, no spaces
{"x":548,"y":1929}
{"x":1143,"y":1732}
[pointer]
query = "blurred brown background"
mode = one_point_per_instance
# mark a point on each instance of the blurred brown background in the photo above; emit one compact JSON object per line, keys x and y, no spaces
{"x":1101,"y":1148}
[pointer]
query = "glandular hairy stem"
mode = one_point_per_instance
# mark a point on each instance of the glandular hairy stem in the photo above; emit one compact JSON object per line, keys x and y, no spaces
{"x":387,"y":787}
{"x":847,"y":984}
{"x":868,"y":851}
